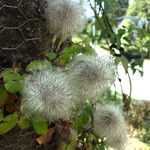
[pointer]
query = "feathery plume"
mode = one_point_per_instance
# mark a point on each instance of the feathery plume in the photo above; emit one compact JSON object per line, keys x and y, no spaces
{"x":47,"y":93}
{"x":65,"y":17}
{"x":109,"y":122}
{"x":91,"y":76}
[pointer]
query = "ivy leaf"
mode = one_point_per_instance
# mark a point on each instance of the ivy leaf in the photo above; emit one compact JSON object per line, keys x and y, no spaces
{"x":8,"y":123}
{"x":39,"y":65}
{"x":14,"y":86}
{"x":40,"y":127}
{"x":3,"y":94}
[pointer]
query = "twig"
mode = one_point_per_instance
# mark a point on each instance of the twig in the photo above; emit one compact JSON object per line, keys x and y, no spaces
{"x":130,"y":82}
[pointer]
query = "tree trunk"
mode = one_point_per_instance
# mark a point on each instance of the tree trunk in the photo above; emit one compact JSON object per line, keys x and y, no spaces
{"x":23,"y":38}
{"x":23,"y":32}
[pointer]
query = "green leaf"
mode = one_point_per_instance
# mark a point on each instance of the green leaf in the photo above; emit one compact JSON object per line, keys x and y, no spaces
{"x":74,"y":51}
{"x":104,"y":33}
{"x":81,"y":121}
{"x":13,"y":81}
{"x":6,"y":71}
{"x":14,"y":86}
{"x":99,"y":1}
{"x":12,"y":76}
{"x":68,"y":53}
{"x":121,"y":32}
{"x":139,"y":62}
{"x":3,"y":94}
{"x":102,"y":146}
{"x":39,"y":65}
{"x":123,"y":61}
{"x":8,"y":123}
{"x":51,"y":55}
{"x":40,"y":127}
{"x":24,"y":123}
{"x":88,"y":109}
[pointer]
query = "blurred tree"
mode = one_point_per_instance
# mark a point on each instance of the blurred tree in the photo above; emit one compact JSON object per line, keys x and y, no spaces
{"x":124,"y":5}
{"x":117,"y":8}
{"x":137,"y":22}
{"x":140,"y":9}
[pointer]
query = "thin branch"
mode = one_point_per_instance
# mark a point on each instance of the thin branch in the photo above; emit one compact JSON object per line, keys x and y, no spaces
{"x":130,"y":82}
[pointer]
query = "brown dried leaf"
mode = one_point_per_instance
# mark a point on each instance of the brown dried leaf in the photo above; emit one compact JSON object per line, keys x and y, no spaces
{"x":46,"y":138}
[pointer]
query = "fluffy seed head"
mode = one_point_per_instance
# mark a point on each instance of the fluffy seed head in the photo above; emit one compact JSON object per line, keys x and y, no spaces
{"x":91,"y":76}
{"x":109,"y":122}
{"x":65,"y":17}
{"x":46,"y":93}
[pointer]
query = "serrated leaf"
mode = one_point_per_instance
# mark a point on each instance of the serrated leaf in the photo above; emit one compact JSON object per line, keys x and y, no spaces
{"x":40,"y":127}
{"x":3,"y":94}
{"x":14,"y":86}
{"x":39,"y":65}
{"x":24,"y":123}
{"x":8,"y":123}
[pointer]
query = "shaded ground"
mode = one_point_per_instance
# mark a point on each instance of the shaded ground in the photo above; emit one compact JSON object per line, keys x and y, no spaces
{"x":25,"y":140}
{"x":20,"y":140}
